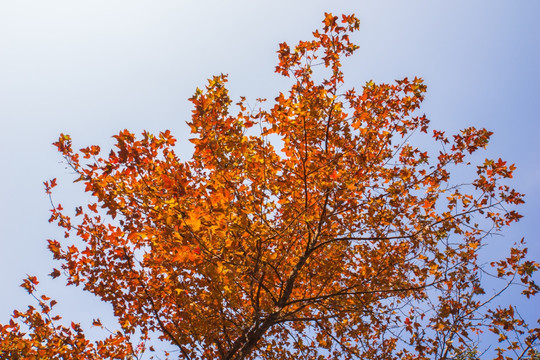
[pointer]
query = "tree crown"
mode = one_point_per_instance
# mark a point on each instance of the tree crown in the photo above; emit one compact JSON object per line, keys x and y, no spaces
{"x":313,"y":229}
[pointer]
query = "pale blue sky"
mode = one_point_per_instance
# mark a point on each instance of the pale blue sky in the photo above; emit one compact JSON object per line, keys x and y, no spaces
{"x":92,"y":68}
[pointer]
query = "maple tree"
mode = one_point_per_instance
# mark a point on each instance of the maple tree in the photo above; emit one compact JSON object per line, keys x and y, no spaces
{"x":313,"y":229}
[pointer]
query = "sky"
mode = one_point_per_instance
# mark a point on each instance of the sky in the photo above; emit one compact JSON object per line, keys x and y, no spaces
{"x":93,"y":68}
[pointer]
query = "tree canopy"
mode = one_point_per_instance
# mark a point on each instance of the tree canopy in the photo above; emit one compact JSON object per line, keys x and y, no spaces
{"x":310,"y":228}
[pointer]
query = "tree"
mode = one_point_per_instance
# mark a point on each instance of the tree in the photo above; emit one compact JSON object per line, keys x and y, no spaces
{"x":314,"y":229}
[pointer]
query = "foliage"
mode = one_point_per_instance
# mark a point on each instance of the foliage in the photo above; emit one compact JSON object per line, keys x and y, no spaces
{"x":314,"y":229}
{"x":468,"y":354}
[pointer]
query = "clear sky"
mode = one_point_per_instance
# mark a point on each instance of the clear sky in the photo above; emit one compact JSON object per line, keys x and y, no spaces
{"x":93,"y":68}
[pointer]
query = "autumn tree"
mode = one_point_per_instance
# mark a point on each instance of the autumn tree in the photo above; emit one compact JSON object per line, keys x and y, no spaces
{"x":310,"y":228}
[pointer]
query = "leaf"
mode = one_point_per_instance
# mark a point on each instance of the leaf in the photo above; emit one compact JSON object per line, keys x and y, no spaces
{"x":55,"y":273}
